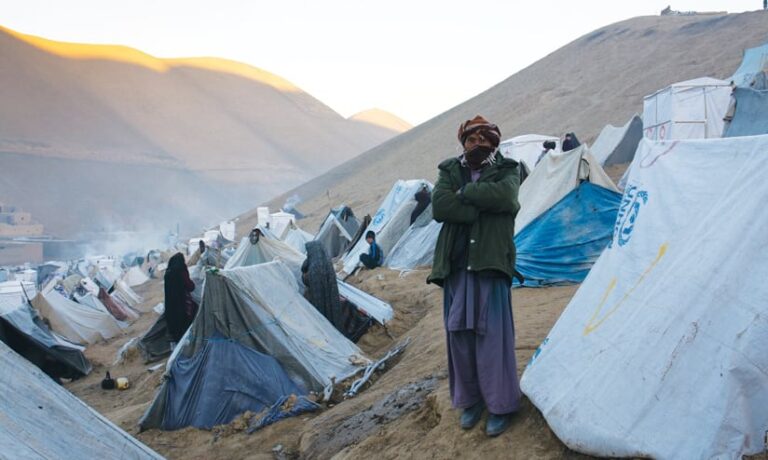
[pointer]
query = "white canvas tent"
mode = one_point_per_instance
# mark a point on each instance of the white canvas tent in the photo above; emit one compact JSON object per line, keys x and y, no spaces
{"x":297,"y":238}
{"x":555,"y":177}
{"x":135,"y":276}
{"x":416,"y":248}
{"x":526,"y":148}
{"x":617,"y":144}
{"x":691,"y":109}
{"x":41,"y":419}
{"x":390,"y":221}
{"x":76,"y":322}
{"x":661,"y":352}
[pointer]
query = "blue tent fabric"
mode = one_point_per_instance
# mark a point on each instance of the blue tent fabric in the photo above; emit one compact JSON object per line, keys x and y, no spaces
{"x":561,"y":245}
{"x":223,"y":380}
{"x":751,"y":116}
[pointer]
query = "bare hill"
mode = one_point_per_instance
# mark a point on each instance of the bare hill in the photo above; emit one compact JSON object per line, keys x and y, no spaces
{"x":597,"y":79}
{"x":241,"y":133}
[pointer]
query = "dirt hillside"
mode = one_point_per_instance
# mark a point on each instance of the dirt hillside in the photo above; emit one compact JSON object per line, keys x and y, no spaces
{"x":597,"y":79}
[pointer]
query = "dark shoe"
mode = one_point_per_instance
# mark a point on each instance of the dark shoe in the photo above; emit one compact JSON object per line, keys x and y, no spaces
{"x":497,"y":424}
{"x":471,"y":416}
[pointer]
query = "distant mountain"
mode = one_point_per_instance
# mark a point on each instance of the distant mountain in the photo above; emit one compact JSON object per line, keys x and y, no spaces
{"x":597,"y":79}
{"x":185,"y":140}
{"x":382,"y":118}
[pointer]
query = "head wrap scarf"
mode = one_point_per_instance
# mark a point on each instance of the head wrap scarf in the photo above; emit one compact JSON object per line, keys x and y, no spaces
{"x":482,"y":126}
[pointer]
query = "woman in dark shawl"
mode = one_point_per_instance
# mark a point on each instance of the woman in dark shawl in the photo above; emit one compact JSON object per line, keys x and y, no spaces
{"x":180,"y":309}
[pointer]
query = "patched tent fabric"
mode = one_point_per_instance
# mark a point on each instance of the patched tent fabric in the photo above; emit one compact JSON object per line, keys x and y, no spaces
{"x":691,"y":109}
{"x":338,"y":230}
{"x":661,"y":352}
{"x":754,"y":60}
{"x":416,"y":248}
{"x":265,"y":250}
{"x":390,"y":221}
{"x":41,"y":419}
{"x":527,"y":149}
{"x":76,"y":322}
{"x":751,"y":116}
{"x":221,"y":381}
{"x":617,"y":144}
{"x":260,"y":308}
{"x":555,"y":177}
{"x":26,"y":333}
{"x":561,"y":245}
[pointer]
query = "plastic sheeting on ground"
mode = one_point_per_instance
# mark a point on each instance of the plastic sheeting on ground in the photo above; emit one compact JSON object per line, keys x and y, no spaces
{"x":527,"y":148}
{"x":287,"y":406}
{"x":41,"y":419}
{"x":221,"y":381}
{"x":416,"y":248}
{"x":617,"y":144}
{"x":751,"y":116}
{"x":561,"y":245}
{"x":554,"y":178}
{"x":691,"y":109}
{"x":259,"y":307}
{"x":390,"y":221}
{"x":661,"y":352}
{"x":76,"y":322}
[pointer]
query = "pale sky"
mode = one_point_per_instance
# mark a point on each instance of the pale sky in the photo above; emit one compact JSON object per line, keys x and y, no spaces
{"x":413,"y":58}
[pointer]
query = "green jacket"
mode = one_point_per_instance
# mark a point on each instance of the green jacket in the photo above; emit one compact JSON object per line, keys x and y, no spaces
{"x":482,"y":212}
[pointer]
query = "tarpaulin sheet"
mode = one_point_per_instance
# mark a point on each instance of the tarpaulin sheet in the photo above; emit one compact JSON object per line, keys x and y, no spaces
{"x":221,"y":381}
{"x":416,"y":248}
{"x":561,"y":245}
{"x":39,"y":419}
{"x":751,"y":116}
{"x":661,"y":353}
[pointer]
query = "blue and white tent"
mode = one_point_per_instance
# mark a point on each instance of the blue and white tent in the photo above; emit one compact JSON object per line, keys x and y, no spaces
{"x":661,"y":351}
{"x":754,"y":60}
{"x":567,"y":209}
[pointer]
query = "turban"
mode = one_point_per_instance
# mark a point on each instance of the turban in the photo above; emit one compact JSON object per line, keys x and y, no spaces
{"x":481,"y":126}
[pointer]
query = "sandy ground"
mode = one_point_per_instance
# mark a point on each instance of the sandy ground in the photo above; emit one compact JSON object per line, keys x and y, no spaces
{"x":405,"y":413}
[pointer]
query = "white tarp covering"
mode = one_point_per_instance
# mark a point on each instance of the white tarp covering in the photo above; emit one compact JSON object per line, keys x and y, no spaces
{"x":754,"y":60}
{"x":372,"y":306}
{"x":557,"y":174}
{"x":266,"y":250}
{"x":662,"y":351}
{"x":76,"y":322}
{"x":290,"y":320}
{"x":617,"y":144}
{"x":526,"y":148}
{"x":280,"y":221}
{"x":135,"y":276}
{"x":298,"y":238}
{"x":691,"y":109}
{"x":416,"y":248}
{"x":390,"y":221}
{"x":39,"y":419}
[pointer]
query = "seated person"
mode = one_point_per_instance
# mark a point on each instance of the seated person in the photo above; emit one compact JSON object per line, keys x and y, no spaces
{"x":375,"y":257}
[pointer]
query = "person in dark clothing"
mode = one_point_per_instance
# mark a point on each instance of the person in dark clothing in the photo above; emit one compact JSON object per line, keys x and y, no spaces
{"x":374,"y":257}
{"x":570,"y":142}
{"x":323,"y":292}
{"x":423,"y":198}
{"x":180,"y":309}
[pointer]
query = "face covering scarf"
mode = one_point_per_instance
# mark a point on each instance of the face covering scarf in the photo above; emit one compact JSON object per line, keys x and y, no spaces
{"x":479,"y":156}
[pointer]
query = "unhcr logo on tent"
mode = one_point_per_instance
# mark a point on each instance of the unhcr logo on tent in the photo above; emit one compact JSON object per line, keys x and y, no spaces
{"x":629,"y":209}
{"x":379,"y":217}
